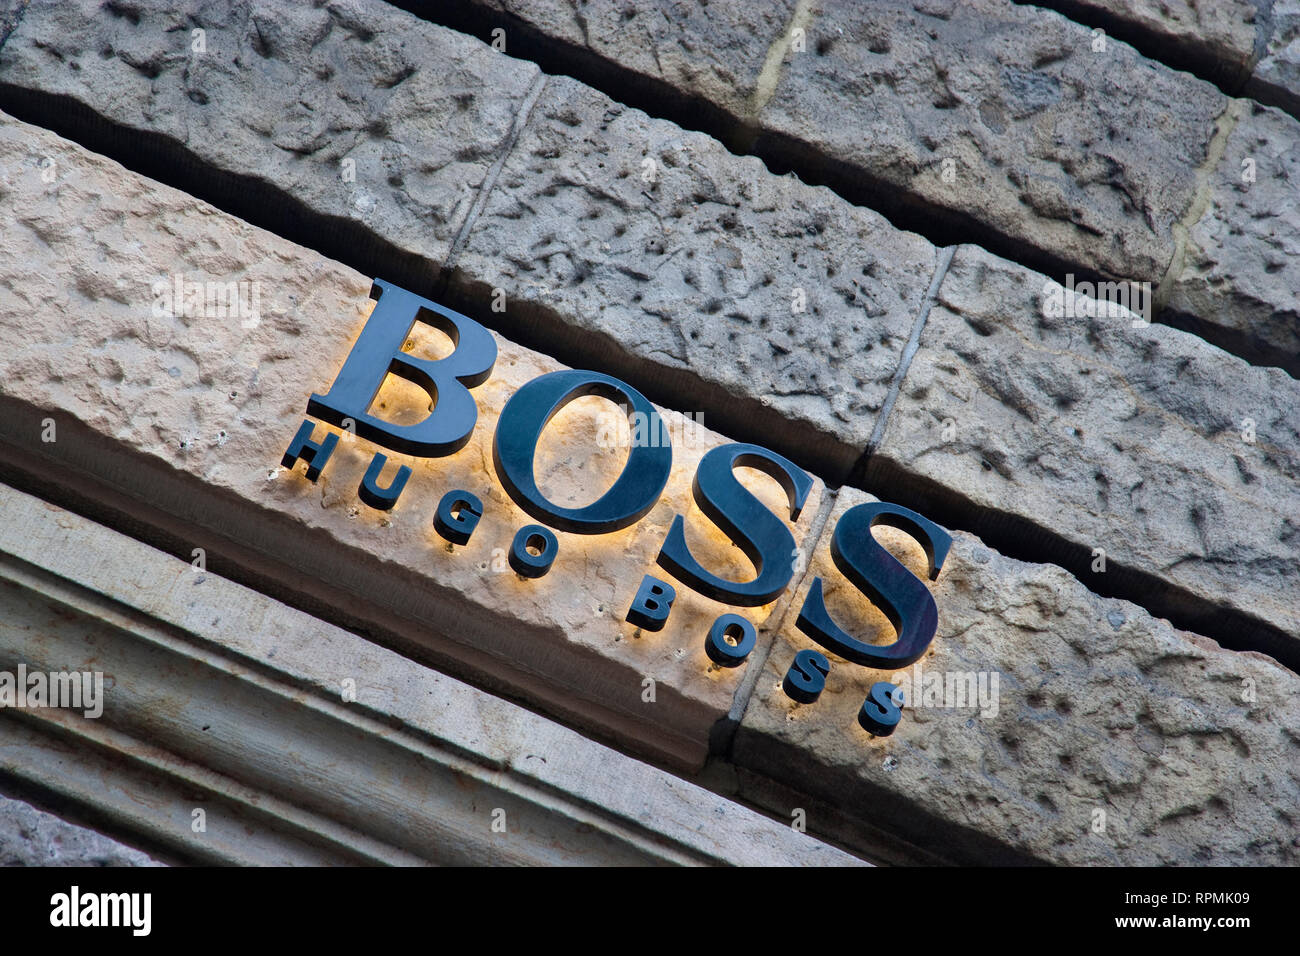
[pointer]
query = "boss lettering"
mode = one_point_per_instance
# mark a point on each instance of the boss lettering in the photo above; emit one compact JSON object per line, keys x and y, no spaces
{"x":763,"y":535}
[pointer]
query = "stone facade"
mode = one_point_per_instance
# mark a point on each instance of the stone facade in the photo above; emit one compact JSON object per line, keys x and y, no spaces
{"x":867,"y":237}
{"x":30,"y":836}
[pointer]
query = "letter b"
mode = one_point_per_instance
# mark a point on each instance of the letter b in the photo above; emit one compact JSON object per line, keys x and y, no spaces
{"x":377,"y":352}
{"x":652,"y":604}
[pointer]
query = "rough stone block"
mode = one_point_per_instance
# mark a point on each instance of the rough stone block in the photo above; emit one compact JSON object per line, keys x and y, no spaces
{"x":1276,"y":77}
{"x":1003,"y":115}
{"x":1220,"y":37}
{"x":1109,"y":738}
{"x":421,"y":112}
{"x":1177,"y":459}
{"x":1008,"y":124}
{"x":357,"y":112}
{"x":33,"y":837}
{"x":1242,"y":46}
{"x":713,"y":53}
{"x":668,"y":247}
{"x":1240,"y":265}
{"x":186,"y":413}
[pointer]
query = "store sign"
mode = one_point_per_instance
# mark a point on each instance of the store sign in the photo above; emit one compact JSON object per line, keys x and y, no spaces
{"x":762,"y":535}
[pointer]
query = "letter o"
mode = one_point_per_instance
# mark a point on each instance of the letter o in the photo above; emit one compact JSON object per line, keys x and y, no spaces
{"x":739,"y":629}
{"x":520,"y":428}
{"x":530,"y":565}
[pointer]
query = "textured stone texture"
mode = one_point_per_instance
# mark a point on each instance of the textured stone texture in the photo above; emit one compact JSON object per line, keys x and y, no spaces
{"x":1127,"y":439}
{"x":1003,"y":121}
{"x":714,"y":52}
{"x":287,"y":93}
{"x":707,"y":320}
{"x":1241,"y":260}
{"x":1104,"y":435}
{"x":219,"y":697}
{"x":1220,"y":36}
{"x":698,"y":268}
{"x":1089,"y":157}
{"x":1192,"y":752}
{"x":32,"y":837}
{"x":10,"y":12}
{"x":1276,"y":78}
{"x":1244,"y":46}
{"x":191,"y":415}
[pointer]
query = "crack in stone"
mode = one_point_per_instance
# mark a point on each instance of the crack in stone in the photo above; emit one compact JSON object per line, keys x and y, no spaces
{"x":944,"y":260}
{"x":1224,"y":125}
{"x":757,"y":664}
{"x":770,"y":76}
{"x":490,"y":180}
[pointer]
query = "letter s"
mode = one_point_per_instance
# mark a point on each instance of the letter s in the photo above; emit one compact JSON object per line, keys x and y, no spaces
{"x":879,"y":714}
{"x":760,"y":534}
{"x":904,"y":598}
{"x":806,"y":678}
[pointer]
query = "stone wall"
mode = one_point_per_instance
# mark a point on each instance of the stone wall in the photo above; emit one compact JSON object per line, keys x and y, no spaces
{"x":850,"y":233}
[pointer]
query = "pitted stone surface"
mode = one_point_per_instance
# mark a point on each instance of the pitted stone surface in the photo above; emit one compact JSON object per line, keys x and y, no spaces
{"x":712,"y":51}
{"x":216,"y":399}
{"x":657,"y":249}
{"x":1244,"y":46}
{"x":1009,"y":120}
{"x":1088,"y":156}
{"x":32,"y":837}
{"x":1177,"y":459}
{"x":1277,"y":74}
{"x":1115,"y":739}
{"x":1221,"y":35}
{"x":1241,"y":261}
{"x":663,"y":242}
{"x":698,"y":272}
{"x":358,"y":111}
